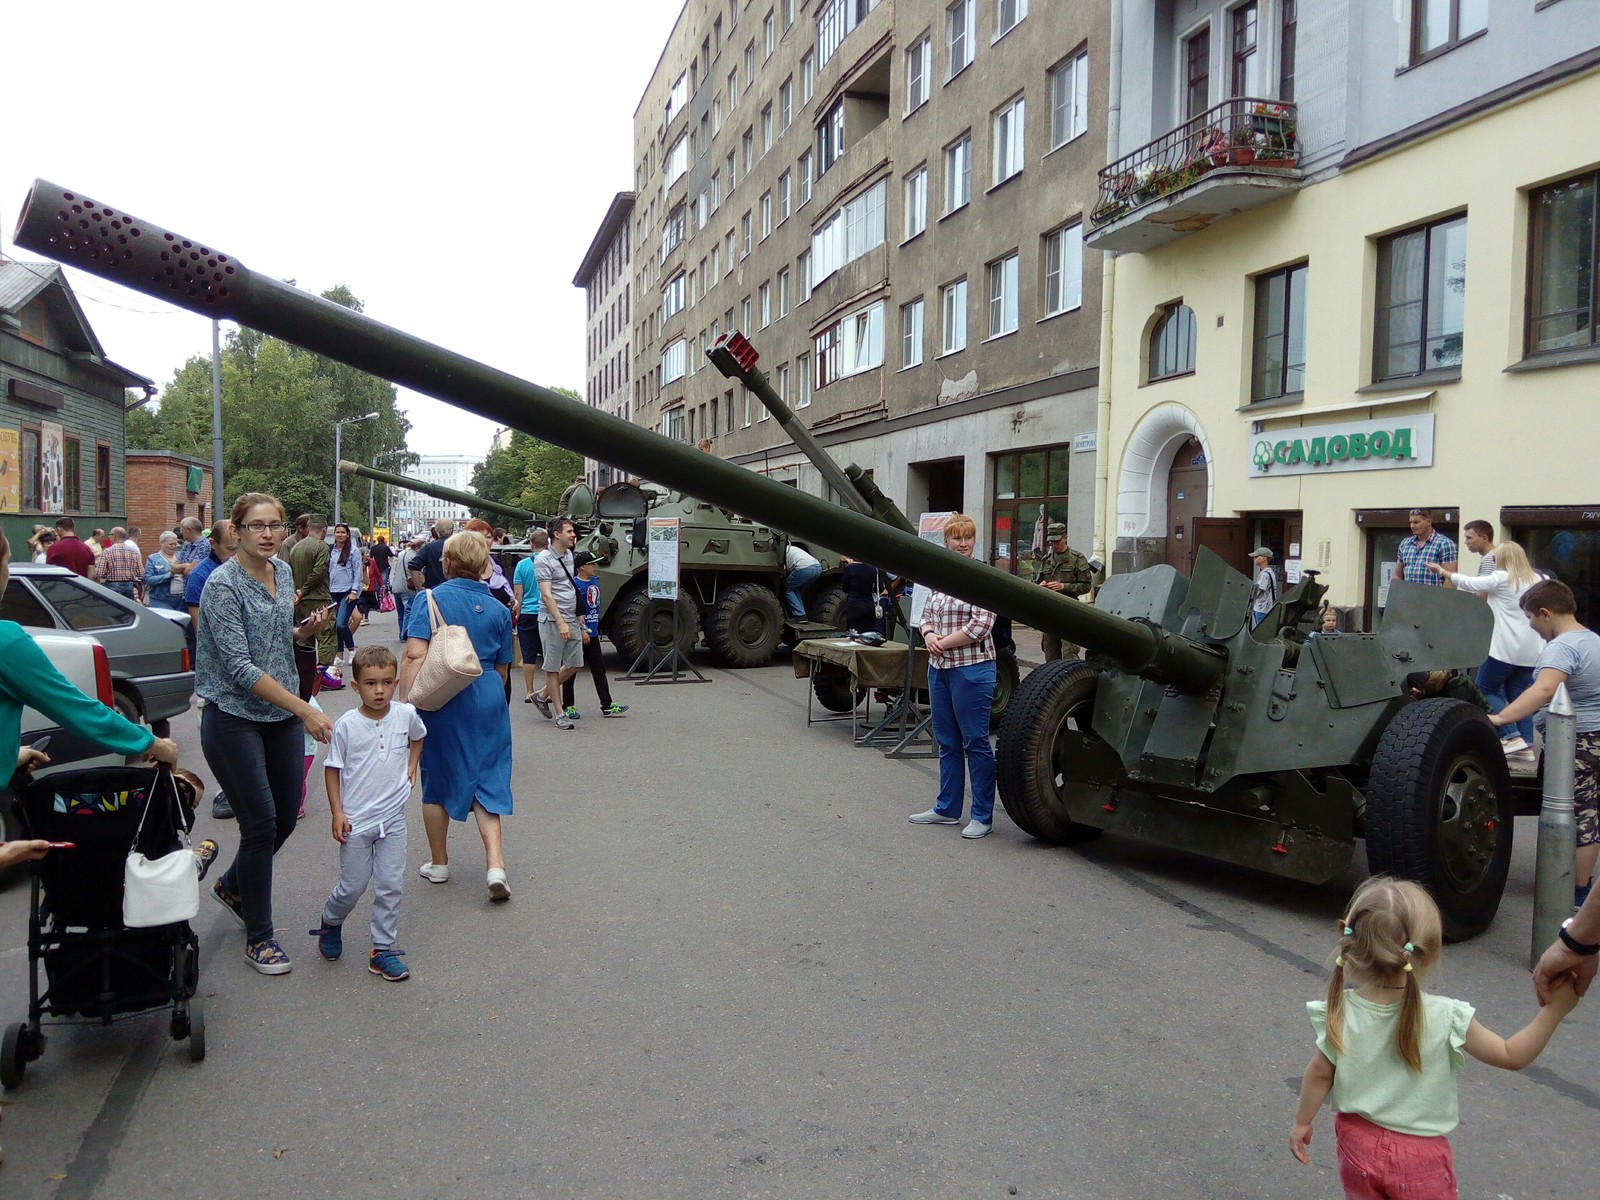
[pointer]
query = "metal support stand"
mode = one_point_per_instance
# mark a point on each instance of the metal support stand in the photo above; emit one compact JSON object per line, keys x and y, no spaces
{"x":680,"y":666}
{"x":1558,"y":837}
{"x":906,"y":722}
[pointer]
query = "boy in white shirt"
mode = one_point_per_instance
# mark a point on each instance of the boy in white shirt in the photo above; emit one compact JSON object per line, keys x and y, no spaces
{"x":370,"y":769}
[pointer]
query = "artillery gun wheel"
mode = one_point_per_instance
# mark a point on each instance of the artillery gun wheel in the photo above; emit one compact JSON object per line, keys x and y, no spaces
{"x":1440,"y":810}
{"x":637,"y":627}
{"x":831,"y":686}
{"x":744,"y":628}
{"x":1054,"y":700}
{"x":827,"y":606}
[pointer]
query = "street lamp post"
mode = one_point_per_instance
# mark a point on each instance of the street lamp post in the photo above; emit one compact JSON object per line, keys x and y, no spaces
{"x":338,"y":454}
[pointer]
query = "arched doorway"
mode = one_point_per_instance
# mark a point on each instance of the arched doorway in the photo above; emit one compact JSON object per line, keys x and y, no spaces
{"x":1186,"y":499}
{"x":1167,"y":453}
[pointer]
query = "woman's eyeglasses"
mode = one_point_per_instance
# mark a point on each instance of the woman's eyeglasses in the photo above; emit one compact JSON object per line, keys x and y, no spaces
{"x":265,"y":526}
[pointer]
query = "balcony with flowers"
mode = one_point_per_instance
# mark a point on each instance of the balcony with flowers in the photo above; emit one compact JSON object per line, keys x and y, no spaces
{"x":1233,"y":157}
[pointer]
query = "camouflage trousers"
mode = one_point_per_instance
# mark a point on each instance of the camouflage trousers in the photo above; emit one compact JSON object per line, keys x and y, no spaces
{"x":1055,"y":648}
{"x":1586,"y":788}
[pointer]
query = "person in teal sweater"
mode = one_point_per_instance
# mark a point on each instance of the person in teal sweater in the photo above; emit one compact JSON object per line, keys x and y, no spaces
{"x":30,"y":680}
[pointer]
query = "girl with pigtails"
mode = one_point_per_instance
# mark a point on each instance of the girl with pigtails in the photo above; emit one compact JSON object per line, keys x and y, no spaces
{"x":1388,"y":1052}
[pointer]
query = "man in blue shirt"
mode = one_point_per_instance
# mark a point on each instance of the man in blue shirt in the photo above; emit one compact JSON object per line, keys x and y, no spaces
{"x":588,"y":583}
{"x":1425,"y":546}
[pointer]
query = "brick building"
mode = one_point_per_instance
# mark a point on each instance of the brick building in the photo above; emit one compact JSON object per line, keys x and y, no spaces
{"x":163,"y":489}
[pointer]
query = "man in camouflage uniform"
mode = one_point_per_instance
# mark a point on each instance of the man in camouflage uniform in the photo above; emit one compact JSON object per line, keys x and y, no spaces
{"x":1066,"y":571}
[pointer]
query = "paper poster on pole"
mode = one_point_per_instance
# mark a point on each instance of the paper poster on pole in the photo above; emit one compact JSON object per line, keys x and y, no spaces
{"x":10,"y":478}
{"x":930,"y":528}
{"x":52,"y":468}
{"x":663,"y":543}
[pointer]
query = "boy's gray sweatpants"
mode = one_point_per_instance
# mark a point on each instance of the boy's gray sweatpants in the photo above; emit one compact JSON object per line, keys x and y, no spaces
{"x":376,"y":854}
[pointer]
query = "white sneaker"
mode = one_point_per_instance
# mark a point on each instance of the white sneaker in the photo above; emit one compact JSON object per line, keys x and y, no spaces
{"x":932,"y":817}
{"x":498,"y":891}
{"x":433,"y":874}
{"x":1512,"y":744}
{"x":976,"y":829}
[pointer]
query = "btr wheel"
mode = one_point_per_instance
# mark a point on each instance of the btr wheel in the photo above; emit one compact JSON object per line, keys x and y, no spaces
{"x":831,"y":686}
{"x":1046,"y":744}
{"x":638,"y":625}
{"x":1440,"y":810}
{"x":827,"y":606}
{"x":744,"y":628}
{"x":13,"y":1057}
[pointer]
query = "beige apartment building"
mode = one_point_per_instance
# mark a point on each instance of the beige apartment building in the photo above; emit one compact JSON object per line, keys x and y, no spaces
{"x":606,"y":277}
{"x":888,"y":198}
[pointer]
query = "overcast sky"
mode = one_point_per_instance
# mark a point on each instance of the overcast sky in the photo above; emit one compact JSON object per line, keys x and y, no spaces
{"x":449,"y":163}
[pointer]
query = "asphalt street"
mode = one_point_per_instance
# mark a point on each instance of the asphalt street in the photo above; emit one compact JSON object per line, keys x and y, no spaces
{"x":730,"y":967}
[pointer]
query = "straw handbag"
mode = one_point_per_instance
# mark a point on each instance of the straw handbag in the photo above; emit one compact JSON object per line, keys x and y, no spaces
{"x":452,"y":662}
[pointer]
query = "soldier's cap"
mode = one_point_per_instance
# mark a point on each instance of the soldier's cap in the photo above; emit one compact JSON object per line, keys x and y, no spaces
{"x":1261,"y":552}
{"x":1056,"y":529}
{"x":583,"y":558}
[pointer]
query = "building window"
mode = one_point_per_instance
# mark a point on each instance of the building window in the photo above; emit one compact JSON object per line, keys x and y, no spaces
{"x":102,"y":476}
{"x":672,"y":230}
{"x":672,"y":296}
{"x":733,"y":89}
{"x":727,"y":411}
{"x":957,"y":174}
{"x":674,"y":361}
{"x":958,"y":34}
{"x":732,"y":177}
{"x":953,"y":305}
{"x":1437,"y":25}
{"x":854,"y":228}
{"x":672,"y":424}
{"x":72,"y":474}
{"x":1562,"y":293}
{"x":808,"y":77}
{"x":1421,"y":295}
{"x":911,"y":333}
{"x":730,"y":256}
{"x":769,"y":36}
{"x":1009,"y":153}
{"x":677,"y":160}
{"x":31,"y":475}
{"x":916,"y":199}
{"x":1197,"y":73}
{"x":785,"y":196}
{"x":783,"y":386}
{"x":744,"y":313}
{"x":783,"y":292}
{"x":919,"y":73}
{"x":766,"y":304}
{"x":766,"y":129}
{"x":677,"y":97}
{"x":748,"y":144}
{"x":785,"y":104}
{"x":802,"y":372}
{"x":830,"y":138}
{"x":853,"y":345}
{"x":1246,"y":75}
{"x":1069,"y":100}
{"x":1278,"y":367}
{"x":1007,"y":14}
{"x":744,"y":230}
{"x":749,"y":66}
{"x":804,"y":264}
{"x":1286,"y":40}
{"x":1003,"y":296}
{"x":788,"y":13}
{"x":766,"y":215}
{"x":835,"y":20}
{"x":1063,"y":270}
{"x":1172,"y":343}
{"x":804,"y":167}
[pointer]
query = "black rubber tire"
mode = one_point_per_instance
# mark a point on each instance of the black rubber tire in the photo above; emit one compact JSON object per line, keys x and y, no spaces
{"x":1007,"y":678}
{"x":744,"y":628}
{"x":1055,"y":697}
{"x":13,"y":1057}
{"x":197,"y":1030}
{"x":831,"y":686}
{"x":127,"y":707}
{"x":827,"y":606}
{"x":630,"y":632}
{"x":1440,"y":810}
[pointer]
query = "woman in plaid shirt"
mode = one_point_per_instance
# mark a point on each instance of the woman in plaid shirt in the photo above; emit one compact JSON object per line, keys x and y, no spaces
{"x":960,"y":642}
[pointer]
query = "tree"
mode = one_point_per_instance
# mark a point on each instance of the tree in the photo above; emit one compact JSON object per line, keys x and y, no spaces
{"x":528,"y":472}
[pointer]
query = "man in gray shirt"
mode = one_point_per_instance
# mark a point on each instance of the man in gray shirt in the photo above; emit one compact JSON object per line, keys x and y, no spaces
{"x":559,"y":631}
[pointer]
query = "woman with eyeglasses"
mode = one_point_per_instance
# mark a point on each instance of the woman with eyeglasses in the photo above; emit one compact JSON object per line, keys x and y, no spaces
{"x":252,"y":726}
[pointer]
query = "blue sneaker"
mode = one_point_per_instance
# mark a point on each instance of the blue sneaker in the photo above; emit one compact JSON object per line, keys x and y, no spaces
{"x":387,"y":963}
{"x":330,"y":940}
{"x":614,"y":710}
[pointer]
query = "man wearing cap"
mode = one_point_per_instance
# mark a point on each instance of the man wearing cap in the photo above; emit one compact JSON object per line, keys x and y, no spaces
{"x":585,"y":564}
{"x":1425,"y":546}
{"x":1264,"y":597}
{"x":1066,"y":572}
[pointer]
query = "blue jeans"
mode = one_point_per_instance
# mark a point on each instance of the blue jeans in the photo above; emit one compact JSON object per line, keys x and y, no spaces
{"x":794,"y":588}
{"x":161,"y":596}
{"x":402,"y":601}
{"x":1501,"y":683}
{"x":124,"y":589}
{"x":961,"y":697}
{"x":261,"y":767}
{"x":347,"y":640}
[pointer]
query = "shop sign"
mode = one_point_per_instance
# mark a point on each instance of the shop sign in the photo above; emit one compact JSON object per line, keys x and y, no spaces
{"x":1348,"y":446}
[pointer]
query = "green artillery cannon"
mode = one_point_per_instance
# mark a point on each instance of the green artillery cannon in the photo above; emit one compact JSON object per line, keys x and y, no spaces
{"x":1187,"y":727}
{"x":465,"y":499}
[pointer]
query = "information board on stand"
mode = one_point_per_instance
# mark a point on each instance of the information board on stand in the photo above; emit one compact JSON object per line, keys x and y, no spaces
{"x":930,"y":528}
{"x":664,"y":534}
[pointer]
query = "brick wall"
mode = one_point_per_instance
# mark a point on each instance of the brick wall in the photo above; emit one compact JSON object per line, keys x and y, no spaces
{"x":158,"y":495}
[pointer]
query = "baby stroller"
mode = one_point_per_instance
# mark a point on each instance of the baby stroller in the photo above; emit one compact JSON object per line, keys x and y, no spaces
{"x":95,"y":968}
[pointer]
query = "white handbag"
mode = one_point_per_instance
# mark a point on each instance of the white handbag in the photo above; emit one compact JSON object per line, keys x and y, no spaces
{"x":165,"y":890}
{"x":451,"y":665}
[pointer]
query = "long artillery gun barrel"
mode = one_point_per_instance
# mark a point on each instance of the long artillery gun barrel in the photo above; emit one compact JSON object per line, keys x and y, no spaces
{"x":465,"y":499}
{"x":74,"y":229}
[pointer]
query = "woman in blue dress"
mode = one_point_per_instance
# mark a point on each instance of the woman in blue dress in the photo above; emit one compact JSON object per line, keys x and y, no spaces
{"x":466,"y":759}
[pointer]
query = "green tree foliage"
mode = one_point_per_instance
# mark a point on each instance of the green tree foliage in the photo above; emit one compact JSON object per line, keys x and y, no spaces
{"x":279,"y":404}
{"x":527,"y":473}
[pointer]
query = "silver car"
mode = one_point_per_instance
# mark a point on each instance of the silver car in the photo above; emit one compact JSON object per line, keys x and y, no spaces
{"x":152,"y":677}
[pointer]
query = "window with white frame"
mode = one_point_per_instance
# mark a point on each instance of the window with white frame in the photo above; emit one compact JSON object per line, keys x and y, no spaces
{"x":783,"y":292}
{"x":835,"y":20}
{"x":916,"y":201}
{"x":744,"y":230}
{"x":749,"y":66}
{"x":672,"y":424}
{"x":1063,"y":270}
{"x":783,"y":382}
{"x":785,"y":195}
{"x":766,"y":129}
{"x":919,"y":73}
{"x":728,"y":242}
{"x":766,"y":304}
{"x":766,"y":215}
{"x":744,"y":313}
{"x":953,"y":308}
{"x":852,"y":345}
{"x":733,"y":89}
{"x":1009,"y":153}
{"x":677,"y":159}
{"x":1069,"y":99}
{"x":1007,"y":14}
{"x":788,"y":13}
{"x":830,"y":138}
{"x":677,"y":97}
{"x":716,"y":116}
{"x":959,"y":31}
{"x":911,"y":333}
{"x":672,"y":230}
{"x":802,"y":375}
{"x":716,"y":265}
{"x":674,"y":361}
{"x":769,"y":35}
{"x":729,"y":162}
{"x":804,"y":265}
{"x":804,"y":168}
{"x":1003,"y":296}
{"x":853,"y":229}
{"x":748,"y":401}
{"x":748,"y":144}
{"x":957,"y":174}
{"x":785,"y":104}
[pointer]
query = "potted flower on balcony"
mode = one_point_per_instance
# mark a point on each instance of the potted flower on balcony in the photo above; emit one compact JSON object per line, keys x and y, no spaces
{"x":1214,"y":146}
{"x":1242,"y":143}
{"x":1277,"y":149}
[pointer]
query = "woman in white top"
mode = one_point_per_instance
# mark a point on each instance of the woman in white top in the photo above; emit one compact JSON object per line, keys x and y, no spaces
{"x":1514,"y":649}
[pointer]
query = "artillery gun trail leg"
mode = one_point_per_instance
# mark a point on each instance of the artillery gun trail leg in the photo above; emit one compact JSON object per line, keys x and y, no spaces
{"x":744,"y":627}
{"x":1047,"y":718}
{"x":1440,"y":810}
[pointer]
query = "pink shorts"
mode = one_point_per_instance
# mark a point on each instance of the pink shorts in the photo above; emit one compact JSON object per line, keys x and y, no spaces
{"x":1379,"y":1164}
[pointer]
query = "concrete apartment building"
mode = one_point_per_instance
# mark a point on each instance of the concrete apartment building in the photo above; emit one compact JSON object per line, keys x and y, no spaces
{"x":606,"y":277}
{"x":1391,"y":304}
{"x":888,"y":198}
{"x":447,"y":470}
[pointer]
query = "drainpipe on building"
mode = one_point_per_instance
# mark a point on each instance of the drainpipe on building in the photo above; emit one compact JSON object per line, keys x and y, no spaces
{"x":1104,"y":535}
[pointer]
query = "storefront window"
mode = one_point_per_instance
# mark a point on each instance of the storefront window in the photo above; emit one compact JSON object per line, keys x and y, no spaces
{"x":1030,"y":491}
{"x":1571,"y":554}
